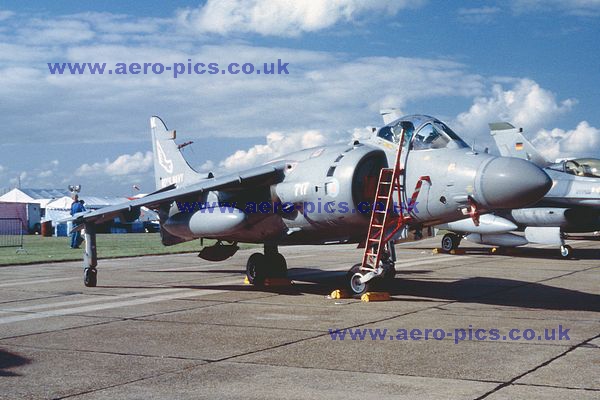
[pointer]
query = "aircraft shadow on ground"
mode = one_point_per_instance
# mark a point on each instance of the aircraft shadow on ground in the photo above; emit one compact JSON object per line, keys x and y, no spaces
{"x":501,"y":292}
{"x":527,"y":252}
{"x":10,"y":360}
{"x":482,"y":290}
{"x":195,"y":271}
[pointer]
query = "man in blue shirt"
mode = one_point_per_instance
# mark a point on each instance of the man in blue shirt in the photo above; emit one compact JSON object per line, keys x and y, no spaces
{"x":76,"y":207}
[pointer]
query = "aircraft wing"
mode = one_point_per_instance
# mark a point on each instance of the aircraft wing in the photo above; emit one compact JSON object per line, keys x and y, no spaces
{"x":259,"y":176}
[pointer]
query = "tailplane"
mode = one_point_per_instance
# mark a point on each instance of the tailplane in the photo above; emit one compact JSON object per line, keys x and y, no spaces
{"x":512,"y":143}
{"x":170,"y":167}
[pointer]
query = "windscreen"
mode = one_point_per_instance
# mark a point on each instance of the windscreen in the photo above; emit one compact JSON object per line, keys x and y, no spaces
{"x":436,"y":135}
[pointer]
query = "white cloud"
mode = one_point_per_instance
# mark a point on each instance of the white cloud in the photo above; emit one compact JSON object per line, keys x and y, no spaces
{"x":588,"y":8}
{"x":206,"y":166}
{"x":22,"y":179}
{"x":278,"y":144}
{"x":2,"y":169}
{"x":525,"y":104}
{"x":121,"y":24}
{"x":583,"y":141}
{"x":41,"y":31}
{"x":363,"y":133}
{"x":480,"y":15}
{"x":324,"y":91}
{"x":332,"y":92}
{"x":6,"y":14}
{"x":283,"y":17}
{"x":126,"y":164}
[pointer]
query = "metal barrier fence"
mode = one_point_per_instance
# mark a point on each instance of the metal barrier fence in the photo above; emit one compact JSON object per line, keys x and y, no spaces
{"x":11,"y":233}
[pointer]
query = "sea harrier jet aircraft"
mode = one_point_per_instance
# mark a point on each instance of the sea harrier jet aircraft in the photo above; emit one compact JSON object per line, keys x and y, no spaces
{"x":572,"y":205}
{"x":340,"y":193}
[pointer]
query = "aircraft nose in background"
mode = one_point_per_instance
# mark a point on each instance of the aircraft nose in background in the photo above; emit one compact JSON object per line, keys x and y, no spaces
{"x":508,"y":182}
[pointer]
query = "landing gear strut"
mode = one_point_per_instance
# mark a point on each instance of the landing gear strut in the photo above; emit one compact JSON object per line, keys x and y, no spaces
{"x":90,"y":258}
{"x":566,"y":251}
{"x":271,"y":264}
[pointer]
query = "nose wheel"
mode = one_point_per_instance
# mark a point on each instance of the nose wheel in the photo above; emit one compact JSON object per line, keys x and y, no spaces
{"x":354,"y":283}
{"x":361,"y":281}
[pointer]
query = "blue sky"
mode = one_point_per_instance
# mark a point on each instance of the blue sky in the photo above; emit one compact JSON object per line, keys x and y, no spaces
{"x":533,"y":63}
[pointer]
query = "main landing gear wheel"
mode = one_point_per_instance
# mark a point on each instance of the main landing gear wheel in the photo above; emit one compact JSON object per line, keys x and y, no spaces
{"x":353,"y":282}
{"x":260,"y":267}
{"x":566,"y":251}
{"x":277,"y":266}
{"x":255,"y":269}
{"x":90,"y":277}
{"x":450,"y":242}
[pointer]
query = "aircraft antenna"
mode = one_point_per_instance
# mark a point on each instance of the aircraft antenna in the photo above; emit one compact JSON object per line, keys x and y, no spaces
{"x":182,"y":145}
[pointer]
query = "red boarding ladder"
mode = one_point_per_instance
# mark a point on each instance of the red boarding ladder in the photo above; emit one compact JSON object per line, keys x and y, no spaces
{"x":382,"y":218}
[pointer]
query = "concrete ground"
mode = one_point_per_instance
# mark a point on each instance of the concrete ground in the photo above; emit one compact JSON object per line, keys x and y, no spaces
{"x":178,"y":327}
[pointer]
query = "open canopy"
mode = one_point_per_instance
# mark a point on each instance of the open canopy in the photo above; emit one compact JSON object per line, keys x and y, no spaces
{"x":422,"y":132}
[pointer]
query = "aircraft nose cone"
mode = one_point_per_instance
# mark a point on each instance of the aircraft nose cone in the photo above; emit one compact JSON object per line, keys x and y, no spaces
{"x":508,"y":182}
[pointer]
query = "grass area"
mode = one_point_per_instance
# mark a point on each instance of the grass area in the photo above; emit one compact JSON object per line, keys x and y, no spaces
{"x":50,"y":249}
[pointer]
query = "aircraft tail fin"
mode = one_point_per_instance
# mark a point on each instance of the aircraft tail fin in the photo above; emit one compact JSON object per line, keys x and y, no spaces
{"x":512,"y":143}
{"x":390,"y":114}
{"x":170,"y":167}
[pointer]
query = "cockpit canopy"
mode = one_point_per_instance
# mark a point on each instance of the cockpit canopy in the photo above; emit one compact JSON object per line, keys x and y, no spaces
{"x":422,"y":132}
{"x":589,"y":167}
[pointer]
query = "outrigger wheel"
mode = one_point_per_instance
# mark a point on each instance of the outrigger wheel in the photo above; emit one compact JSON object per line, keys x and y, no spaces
{"x":566,"y":251}
{"x":90,"y":277}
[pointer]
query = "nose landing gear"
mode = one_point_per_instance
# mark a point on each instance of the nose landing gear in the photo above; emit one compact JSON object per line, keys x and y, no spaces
{"x":359,"y":281}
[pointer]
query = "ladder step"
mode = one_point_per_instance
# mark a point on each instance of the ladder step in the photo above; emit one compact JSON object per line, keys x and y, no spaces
{"x":377,"y":226}
{"x":380,"y":211}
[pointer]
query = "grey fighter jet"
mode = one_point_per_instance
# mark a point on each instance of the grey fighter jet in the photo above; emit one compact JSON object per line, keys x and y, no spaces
{"x":572,"y":205}
{"x":323,"y":195}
